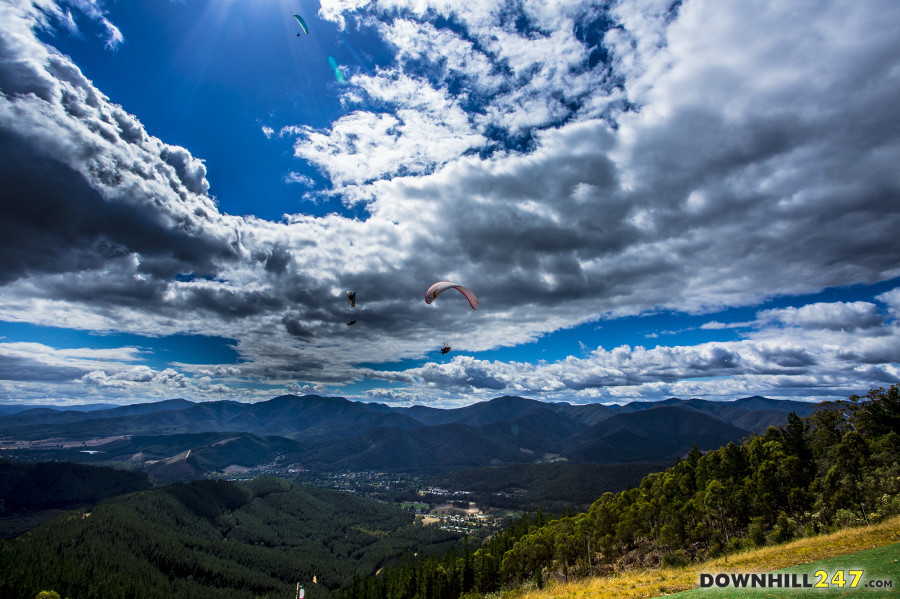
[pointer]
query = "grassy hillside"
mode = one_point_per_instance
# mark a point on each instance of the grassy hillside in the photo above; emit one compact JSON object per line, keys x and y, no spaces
{"x":875,"y":549}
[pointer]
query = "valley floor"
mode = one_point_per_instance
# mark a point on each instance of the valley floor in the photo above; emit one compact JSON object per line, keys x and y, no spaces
{"x":665,"y":581}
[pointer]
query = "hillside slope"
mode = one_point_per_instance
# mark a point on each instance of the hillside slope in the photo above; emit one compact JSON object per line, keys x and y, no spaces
{"x":664,"y":581}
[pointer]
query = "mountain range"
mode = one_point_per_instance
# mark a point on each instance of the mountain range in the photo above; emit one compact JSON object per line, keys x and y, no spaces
{"x":180,"y":438}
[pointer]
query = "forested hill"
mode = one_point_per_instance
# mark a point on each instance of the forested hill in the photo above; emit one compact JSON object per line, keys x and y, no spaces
{"x":838,"y":467}
{"x":213,"y":539}
{"x":28,"y":487}
{"x":33,"y":493}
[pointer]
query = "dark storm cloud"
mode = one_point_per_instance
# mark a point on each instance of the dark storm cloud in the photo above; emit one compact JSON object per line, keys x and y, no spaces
{"x":275,"y":369}
{"x":276,"y":260}
{"x":788,"y":357}
{"x":232,"y":303}
{"x":869,"y":354}
{"x":294,"y":325}
{"x":16,"y":368}
{"x":54,"y":221}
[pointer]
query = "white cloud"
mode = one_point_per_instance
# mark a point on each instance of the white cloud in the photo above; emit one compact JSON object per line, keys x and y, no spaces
{"x":892,"y":300}
{"x":113,"y":36}
{"x":847,"y":316}
{"x":151,"y":381}
{"x":293,"y":177}
{"x":836,"y":316}
{"x":770,"y":361}
{"x":424,"y":132}
{"x":77,"y":357}
{"x":305,"y":389}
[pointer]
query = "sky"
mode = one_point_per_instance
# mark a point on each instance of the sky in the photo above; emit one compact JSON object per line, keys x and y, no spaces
{"x":650,"y":199}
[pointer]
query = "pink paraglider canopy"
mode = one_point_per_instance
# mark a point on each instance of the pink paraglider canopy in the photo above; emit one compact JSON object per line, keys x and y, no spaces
{"x":442,"y":286}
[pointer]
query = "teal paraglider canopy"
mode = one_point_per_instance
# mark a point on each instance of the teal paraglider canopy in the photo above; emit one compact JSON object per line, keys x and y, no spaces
{"x":302,"y":24}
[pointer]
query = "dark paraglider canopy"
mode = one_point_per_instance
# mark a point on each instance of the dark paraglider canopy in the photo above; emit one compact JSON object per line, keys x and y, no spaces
{"x":445,"y":349}
{"x":351,"y":323}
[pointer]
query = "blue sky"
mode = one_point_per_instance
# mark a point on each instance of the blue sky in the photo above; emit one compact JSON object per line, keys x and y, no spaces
{"x":209,"y":76}
{"x":650,"y":199}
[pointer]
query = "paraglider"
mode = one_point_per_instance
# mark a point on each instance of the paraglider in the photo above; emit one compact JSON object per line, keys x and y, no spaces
{"x":351,"y":297}
{"x":442,"y":286}
{"x":338,"y":74}
{"x":302,"y":25}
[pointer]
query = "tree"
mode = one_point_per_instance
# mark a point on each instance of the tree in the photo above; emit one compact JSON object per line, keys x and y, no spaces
{"x":714,"y":499}
{"x":878,"y":412}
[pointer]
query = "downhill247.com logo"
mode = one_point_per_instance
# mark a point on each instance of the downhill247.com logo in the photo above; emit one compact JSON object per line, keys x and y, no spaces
{"x":822,"y":579}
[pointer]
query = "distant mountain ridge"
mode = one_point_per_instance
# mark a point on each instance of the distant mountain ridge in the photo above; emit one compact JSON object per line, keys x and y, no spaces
{"x":18,"y":408}
{"x":180,"y":438}
{"x":659,"y":433}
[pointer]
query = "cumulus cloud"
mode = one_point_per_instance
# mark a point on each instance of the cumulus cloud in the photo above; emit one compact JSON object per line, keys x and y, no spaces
{"x":772,"y":358}
{"x":835,"y":316}
{"x":892,"y":300}
{"x":570,"y":161}
{"x":145,"y":382}
{"x":306,"y":389}
{"x":418,"y":135}
{"x":37,"y":363}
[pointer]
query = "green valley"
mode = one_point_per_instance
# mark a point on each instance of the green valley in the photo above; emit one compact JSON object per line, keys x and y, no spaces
{"x":213,"y":539}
